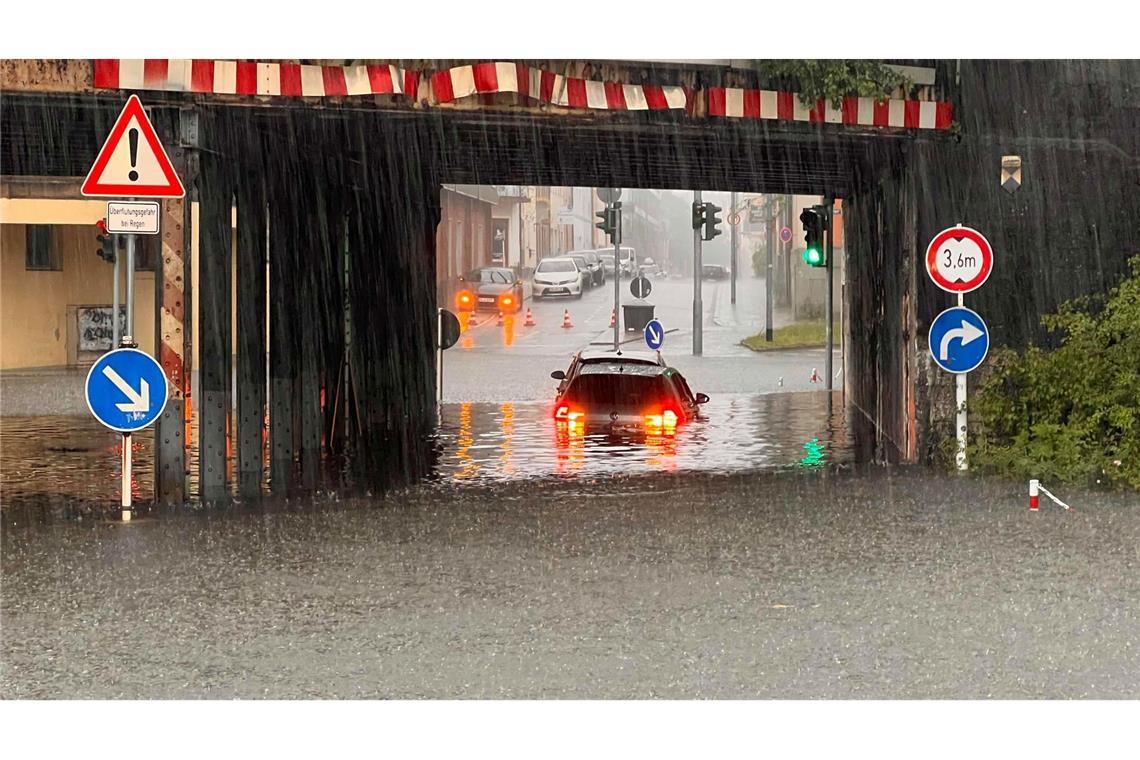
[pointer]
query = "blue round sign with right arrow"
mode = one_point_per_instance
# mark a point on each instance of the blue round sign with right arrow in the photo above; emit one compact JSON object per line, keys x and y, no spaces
{"x":959,"y":340}
{"x":126,"y":389}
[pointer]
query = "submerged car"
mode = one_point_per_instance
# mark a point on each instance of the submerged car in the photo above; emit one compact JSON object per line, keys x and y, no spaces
{"x":558,"y":276}
{"x":622,"y":394}
{"x":490,"y":289}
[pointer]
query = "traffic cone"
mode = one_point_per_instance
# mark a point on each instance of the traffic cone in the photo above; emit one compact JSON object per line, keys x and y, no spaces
{"x":814,"y":376}
{"x":566,"y":319}
{"x":500,"y":322}
{"x":529,"y":319}
{"x":472,"y":319}
{"x":613,"y":317}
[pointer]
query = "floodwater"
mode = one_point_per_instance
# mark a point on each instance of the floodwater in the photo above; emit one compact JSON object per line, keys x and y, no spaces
{"x":876,"y":583}
{"x":68,"y":466}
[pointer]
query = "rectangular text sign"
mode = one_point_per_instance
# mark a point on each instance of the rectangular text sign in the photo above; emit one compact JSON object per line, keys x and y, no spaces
{"x":132,"y":217}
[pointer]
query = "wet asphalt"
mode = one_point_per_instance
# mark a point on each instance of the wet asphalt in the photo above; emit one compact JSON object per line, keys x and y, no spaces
{"x":836,"y":583}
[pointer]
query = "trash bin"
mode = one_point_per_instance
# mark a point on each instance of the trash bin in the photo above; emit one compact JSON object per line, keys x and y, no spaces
{"x":635,"y":316}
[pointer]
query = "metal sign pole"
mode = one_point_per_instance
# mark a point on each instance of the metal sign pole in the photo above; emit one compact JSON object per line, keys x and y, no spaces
{"x":829,"y":306}
{"x":439,"y":356}
{"x":128,"y":340}
{"x":960,"y":403}
{"x":698,"y":307}
{"x":616,"y":206}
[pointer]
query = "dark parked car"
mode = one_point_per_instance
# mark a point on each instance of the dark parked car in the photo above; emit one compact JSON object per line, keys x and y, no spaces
{"x":594,"y":269}
{"x":714,"y":272}
{"x":490,"y":289}
{"x":624,"y":394}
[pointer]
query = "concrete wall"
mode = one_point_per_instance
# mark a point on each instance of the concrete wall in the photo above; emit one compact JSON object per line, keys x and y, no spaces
{"x":34,"y":305}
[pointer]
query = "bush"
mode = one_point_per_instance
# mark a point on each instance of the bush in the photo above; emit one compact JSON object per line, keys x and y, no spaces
{"x":1071,"y":414}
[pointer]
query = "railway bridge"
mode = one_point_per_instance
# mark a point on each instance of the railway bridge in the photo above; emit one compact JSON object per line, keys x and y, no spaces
{"x":334,"y":169}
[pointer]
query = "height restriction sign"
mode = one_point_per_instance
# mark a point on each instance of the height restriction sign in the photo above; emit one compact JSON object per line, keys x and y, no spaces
{"x":959,"y":259}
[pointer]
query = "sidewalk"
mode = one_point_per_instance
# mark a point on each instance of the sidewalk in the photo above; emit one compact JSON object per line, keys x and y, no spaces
{"x":43,"y":391}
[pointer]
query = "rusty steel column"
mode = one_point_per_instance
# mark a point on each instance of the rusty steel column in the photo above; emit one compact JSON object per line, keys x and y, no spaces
{"x":251,"y":350}
{"x":214,"y":328}
{"x":282,"y":342}
{"x":170,"y":433}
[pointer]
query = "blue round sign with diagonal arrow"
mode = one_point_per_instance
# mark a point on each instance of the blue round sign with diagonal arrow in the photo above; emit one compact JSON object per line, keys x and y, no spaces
{"x":959,"y":340}
{"x":126,"y":389}
{"x":654,"y":334}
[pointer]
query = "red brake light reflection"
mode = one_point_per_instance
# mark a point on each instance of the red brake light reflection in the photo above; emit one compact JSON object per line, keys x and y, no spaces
{"x":665,"y":420}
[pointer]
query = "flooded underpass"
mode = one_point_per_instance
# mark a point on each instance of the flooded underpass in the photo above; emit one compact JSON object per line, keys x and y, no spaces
{"x":746,"y":557}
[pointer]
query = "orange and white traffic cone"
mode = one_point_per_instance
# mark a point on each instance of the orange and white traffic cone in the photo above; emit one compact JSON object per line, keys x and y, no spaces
{"x":814,"y":376}
{"x":529,"y":319}
{"x":500,"y":322}
{"x":613,"y":317}
{"x":566,"y":319}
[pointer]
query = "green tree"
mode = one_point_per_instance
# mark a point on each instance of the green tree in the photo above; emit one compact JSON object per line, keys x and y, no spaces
{"x":832,"y":79}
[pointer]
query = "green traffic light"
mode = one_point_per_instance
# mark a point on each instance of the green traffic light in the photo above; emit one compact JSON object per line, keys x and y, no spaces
{"x":813,"y":257}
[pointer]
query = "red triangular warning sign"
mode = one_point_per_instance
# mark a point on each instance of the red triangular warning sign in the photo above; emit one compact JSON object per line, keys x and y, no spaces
{"x":132,"y":162}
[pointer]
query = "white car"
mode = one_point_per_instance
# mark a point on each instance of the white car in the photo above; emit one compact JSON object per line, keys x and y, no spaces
{"x":558,"y":276}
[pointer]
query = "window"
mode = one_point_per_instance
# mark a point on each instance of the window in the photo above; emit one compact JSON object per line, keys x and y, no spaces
{"x":147,"y":248}
{"x":39,"y":251}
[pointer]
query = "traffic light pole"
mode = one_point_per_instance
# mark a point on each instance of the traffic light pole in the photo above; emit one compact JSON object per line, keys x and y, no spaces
{"x":617,"y":275}
{"x":829,"y":215}
{"x":115,"y":296}
{"x":698,"y":307}
{"x":732,"y":261}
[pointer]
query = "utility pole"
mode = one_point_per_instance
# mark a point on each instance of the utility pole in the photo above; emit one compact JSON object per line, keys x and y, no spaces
{"x":771,"y":239}
{"x":732,"y":261}
{"x":698,"y":307}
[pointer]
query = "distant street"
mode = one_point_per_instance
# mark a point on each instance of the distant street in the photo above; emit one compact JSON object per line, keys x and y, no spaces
{"x":513,"y":362}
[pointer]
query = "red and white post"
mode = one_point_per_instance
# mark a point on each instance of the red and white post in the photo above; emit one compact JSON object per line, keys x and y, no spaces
{"x":1034,"y":486}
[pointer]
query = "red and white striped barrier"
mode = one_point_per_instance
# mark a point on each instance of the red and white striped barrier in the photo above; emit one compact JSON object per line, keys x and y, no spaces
{"x":268,"y":79}
{"x":252,"y":77}
{"x":1035,"y":488}
{"x":548,"y":87}
{"x":854,"y":111}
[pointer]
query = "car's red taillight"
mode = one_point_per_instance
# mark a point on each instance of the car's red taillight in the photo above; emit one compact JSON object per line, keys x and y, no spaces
{"x":575,"y":418}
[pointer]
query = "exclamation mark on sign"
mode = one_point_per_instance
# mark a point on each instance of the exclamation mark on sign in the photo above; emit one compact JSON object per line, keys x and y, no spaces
{"x":133,"y":137}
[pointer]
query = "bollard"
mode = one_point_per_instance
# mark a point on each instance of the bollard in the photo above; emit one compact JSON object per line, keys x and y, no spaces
{"x":1033,"y":485}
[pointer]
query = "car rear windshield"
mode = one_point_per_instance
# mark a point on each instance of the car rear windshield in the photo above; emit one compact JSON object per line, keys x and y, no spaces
{"x":498,"y":276}
{"x":619,"y":391}
{"x":556,"y":266}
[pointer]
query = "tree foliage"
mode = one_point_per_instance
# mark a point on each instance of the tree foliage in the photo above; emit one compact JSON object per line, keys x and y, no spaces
{"x":832,"y":79}
{"x":1071,"y":414}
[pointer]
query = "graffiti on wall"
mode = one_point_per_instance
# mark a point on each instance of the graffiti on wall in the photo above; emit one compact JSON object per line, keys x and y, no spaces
{"x":96,"y":330}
